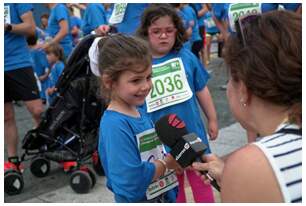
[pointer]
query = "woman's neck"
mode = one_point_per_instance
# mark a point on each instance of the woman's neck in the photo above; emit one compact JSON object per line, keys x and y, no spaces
{"x":267,"y":117}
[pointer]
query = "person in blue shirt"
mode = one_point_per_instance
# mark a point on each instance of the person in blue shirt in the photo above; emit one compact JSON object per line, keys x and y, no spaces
{"x":200,"y":10}
{"x":210,"y":31}
{"x":131,"y":153}
{"x":125,"y":18}
{"x":196,"y":40}
{"x":19,"y":80}
{"x":40,"y":65}
{"x":59,"y":27}
{"x":55,"y":56}
{"x":180,"y":88}
{"x":75,"y":26}
{"x":94,"y":16}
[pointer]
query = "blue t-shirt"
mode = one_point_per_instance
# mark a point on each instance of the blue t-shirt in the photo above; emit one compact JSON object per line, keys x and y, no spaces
{"x":54,"y":75}
{"x":57,"y":14}
{"x":75,"y":21}
{"x":128,"y":177}
{"x":210,"y":26}
{"x":191,"y":16}
{"x":265,"y":7}
{"x":197,"y":7}
{"x":188,"y":111}
{"x":132,"y":17}
{"x":94,"y":16}
{"x":16,"y":51}
{"x":40,"y":65}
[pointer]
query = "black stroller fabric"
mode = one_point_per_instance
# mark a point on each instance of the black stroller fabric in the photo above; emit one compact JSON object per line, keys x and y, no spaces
{"x":69,"y":127}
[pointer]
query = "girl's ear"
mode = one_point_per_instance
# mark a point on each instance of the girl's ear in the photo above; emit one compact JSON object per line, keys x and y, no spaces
{"x":107,"y":81}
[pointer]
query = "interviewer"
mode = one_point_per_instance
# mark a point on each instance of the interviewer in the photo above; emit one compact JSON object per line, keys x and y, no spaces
{"x":264,"y":91}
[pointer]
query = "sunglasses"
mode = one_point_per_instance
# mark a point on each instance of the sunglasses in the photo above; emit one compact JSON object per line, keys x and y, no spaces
{"x":242,"y":22}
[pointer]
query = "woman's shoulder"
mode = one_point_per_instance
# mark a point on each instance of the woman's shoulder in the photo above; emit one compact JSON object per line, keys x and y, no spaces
{"x":249,"y":177}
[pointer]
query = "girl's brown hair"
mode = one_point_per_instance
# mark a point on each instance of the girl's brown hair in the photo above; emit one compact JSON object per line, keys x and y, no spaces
{"x":269,"y":61}
{"x":156,"y":11}
{"x":57,"y":50}
{"x":118,"y":53}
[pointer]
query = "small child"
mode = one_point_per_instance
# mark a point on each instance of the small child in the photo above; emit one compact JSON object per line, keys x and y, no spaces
{"x":55,"y":56}
{"x":131,"y":153}
{"x":40,"y":65}
{"x":179,"y":84}
{"x":211,"y":31}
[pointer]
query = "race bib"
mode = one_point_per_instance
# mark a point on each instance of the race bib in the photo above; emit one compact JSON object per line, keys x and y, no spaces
{"x":237,"y":10}
{"x":151,"y":149}
{"x":170,"y":85}
{"x":209,"y":23}
{"x":118,"y":13}
{"x":7,"y":15}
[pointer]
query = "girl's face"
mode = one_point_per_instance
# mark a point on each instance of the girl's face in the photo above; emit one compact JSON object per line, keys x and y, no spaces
{"x":52,"y":58}
{"x":132,"y":87}
{"x":161,"y":35}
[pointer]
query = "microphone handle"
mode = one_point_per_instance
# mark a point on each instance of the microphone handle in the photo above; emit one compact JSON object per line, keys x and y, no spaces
{"x":213,"y":182}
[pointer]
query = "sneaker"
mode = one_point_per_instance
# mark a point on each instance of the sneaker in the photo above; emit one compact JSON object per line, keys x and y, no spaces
{"x":13,"y":163}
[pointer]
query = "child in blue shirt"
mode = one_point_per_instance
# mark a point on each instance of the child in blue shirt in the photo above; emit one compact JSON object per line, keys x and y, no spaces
{"x":55,"y":56}
{"x":59,"y":27}
{"x":131,"y":153}
{"x":40,"y":66}
{"x":179,"y":82}
{"x":94,"y":16}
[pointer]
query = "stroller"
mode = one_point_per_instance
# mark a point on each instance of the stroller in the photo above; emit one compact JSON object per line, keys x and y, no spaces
{"x":69,"y":128}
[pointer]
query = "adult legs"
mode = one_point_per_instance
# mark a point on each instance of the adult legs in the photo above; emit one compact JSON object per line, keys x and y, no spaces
{"x":10,"y":130}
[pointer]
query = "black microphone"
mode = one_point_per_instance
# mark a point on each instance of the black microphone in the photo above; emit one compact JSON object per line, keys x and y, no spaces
{"x":185,"y":147}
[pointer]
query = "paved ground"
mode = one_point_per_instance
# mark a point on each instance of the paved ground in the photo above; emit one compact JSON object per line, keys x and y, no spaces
{"x":55,"y":187}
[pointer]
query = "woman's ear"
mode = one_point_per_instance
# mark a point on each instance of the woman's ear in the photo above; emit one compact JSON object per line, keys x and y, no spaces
{"x":244,"y":93}
{"x":107,"y":82}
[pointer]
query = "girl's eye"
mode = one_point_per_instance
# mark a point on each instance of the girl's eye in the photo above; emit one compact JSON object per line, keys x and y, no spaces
{"x":157,"y":32}
{"x":135,"y":80}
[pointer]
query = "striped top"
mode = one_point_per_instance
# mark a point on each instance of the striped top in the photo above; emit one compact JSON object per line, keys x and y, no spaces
{"x":283,"y":149}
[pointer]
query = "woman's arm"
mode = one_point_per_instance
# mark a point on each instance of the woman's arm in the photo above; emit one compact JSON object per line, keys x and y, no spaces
{"x":248,"y":177}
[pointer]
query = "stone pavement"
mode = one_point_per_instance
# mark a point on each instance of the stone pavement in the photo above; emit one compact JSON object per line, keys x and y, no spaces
{"x":229,"y":139}
{"x":55,"y":187}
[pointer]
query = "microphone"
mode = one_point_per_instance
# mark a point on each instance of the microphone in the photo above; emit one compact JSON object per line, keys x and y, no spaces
{"x":185,"y":147}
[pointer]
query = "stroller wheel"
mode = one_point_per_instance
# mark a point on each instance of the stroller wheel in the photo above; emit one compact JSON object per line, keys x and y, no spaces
{"x":13,"y":182}
{"x":97,"y":164}
{"x":80,"y":181}
{"x":40,"y":167}
{"x":93,"y":177}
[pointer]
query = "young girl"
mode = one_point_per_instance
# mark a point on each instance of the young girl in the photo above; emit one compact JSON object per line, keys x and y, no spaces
{"x":179,"y":84}
{"x":211,"y":31}
{"x":55,"y":56}
{"x":131,"y":153}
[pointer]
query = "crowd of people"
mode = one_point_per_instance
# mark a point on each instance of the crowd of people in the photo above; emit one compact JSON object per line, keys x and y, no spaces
{"x":152,"y":60}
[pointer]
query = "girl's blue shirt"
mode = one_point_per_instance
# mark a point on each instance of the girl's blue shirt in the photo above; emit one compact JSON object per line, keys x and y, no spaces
{"x":188,"y":111}
{"x":128,"y":177}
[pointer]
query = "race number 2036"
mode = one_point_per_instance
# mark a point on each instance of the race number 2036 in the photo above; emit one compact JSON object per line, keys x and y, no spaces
{"x":170,"y":85}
